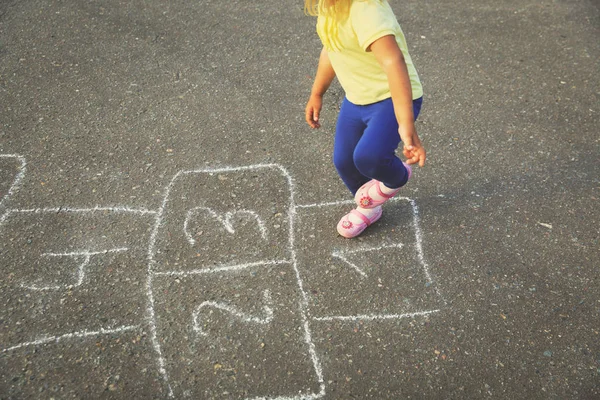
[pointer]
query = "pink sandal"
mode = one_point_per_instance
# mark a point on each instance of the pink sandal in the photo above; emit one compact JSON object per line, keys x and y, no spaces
{"x":349,"y":229}
{"x":363,"y":199}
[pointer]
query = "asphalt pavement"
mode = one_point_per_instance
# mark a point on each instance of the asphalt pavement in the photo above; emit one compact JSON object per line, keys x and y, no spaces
{"x":167,"y":218}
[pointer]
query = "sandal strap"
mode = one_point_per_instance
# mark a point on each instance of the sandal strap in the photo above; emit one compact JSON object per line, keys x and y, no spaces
{"x":361,"y":216}
{"x":379,"y":192}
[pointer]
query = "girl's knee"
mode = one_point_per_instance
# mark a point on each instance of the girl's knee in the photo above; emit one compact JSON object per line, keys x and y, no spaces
{"x":343,"y":162}
{"x":372,"y":164}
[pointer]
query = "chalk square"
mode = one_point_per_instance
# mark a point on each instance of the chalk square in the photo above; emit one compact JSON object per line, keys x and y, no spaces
{"x":380,"y":273}
{"x":235,"y":335}
{"x":223,"y":217}
{"x":70,"y":271}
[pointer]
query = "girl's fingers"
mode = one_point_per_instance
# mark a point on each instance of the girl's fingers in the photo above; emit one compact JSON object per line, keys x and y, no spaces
{"x":414,"y":158}
{"x":312,"y":117}
{"x":414,"y":155}
{"x":421,"y":159}
{"x":309,"y":118}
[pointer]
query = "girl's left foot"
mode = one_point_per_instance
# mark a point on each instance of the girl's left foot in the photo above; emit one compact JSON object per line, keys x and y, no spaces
{"x":374,"y":193}
{"x":356,"y":221}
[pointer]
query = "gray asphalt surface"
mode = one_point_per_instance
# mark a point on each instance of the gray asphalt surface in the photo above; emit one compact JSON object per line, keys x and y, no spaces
{"x":167,"y":219}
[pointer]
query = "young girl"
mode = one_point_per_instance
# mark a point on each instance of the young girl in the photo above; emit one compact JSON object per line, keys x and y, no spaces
{"x":364,"y":47}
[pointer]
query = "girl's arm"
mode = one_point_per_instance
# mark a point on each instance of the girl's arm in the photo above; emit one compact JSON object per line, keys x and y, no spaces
{"x":389,"y":55}
{"x":324,"y":77}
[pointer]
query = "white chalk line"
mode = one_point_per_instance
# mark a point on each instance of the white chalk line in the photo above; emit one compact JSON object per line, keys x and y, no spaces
{"x":352,"y":265}
{"x":74,"y":335}
{"x":342,"y":255}
{"x":308,"y":396}
{"x":245,"y":317}
{"x":226,"y":222}
{"x":377,"y":248}
{"x":373,"y":317}
{"x":58,"y":210}
{"x":345,"y":202}
{"x":149,"y":286}
{"x":18,"y":178}
{"x":86,"y":255}
{"x":303,"y":304}
{"x":222,"y":268}
{"x":419,"y":244}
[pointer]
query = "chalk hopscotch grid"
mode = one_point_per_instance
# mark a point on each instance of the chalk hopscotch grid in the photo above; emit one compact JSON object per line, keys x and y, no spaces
{"x":158,"y":215}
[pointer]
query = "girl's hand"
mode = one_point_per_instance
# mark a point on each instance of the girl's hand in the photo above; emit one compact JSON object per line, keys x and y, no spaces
{"x":313,"y":109}
{"x":414,"y":154}
{"x":413,"y":149}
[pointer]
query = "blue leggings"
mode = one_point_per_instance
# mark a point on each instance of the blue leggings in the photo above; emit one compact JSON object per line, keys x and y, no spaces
{"x":366,"y":138}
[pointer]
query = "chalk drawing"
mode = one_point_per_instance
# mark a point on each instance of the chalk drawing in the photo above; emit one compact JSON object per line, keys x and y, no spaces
{"x":80,"y":276}
{"x":303,"y":302}
{"x":226,"y":221}
{"x":342,"y":255}
{"x":268,"y":311}
{"x":18,"y":178}
{"x":74,"y":335}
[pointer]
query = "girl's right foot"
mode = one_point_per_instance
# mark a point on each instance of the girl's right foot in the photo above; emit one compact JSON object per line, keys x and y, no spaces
{"x":355,"y":222}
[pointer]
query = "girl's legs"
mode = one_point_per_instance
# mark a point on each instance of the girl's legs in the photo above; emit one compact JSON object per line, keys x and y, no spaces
{"x":364,"y":148}
{"x":349,"y":130}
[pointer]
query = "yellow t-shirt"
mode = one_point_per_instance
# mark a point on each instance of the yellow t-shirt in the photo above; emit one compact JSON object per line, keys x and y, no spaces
{"x":357,"y":70}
